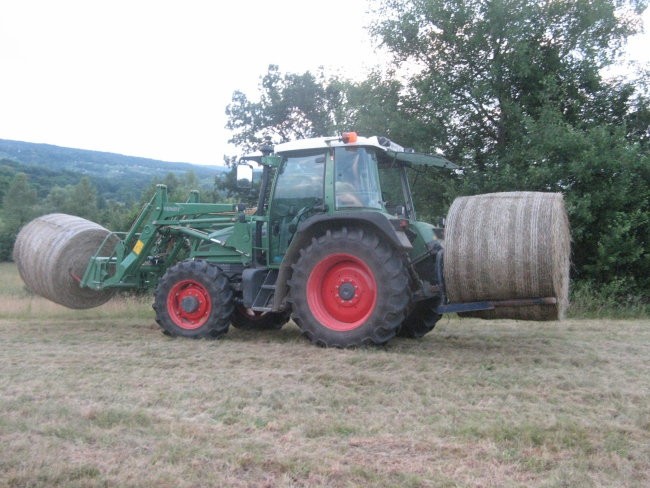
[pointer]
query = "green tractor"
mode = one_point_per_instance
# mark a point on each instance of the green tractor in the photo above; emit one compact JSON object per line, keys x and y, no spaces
{"x":332,"y":243}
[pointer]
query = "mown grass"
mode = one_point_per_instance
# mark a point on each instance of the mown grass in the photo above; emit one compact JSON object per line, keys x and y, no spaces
{"x":93,"y":400}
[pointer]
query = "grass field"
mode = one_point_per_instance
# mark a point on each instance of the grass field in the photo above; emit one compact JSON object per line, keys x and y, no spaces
{"x":102,"y":398}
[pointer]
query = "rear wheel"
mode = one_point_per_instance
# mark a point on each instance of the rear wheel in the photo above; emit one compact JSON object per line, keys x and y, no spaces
{"x":194,"y":299}
{"x":349,"y":288}
{"x":247,"y":319}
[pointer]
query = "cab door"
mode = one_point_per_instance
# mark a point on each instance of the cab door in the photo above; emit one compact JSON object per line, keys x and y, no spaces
{"x":299,"y":189}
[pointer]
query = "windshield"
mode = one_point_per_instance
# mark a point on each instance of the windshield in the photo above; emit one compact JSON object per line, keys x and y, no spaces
{"x":301,"y":177}
{"x":357,"y":180}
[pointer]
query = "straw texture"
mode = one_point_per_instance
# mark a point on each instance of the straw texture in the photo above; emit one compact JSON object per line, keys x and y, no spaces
{"x":509,"y":245}
{"x":52,"y":253}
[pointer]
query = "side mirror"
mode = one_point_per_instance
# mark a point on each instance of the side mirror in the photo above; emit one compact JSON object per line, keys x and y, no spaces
{"x":244,"y":176}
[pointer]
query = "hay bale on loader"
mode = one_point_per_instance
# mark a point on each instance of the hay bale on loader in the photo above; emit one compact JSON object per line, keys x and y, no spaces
{"x":511,"y":245}
{"x":52,"y":253}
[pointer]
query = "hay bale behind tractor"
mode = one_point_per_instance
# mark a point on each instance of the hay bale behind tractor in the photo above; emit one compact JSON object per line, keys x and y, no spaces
{"x":52,"y":253}
{"x":513,"y":245}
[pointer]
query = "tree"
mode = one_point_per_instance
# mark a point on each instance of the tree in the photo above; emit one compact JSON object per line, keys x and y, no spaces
{"x":18,"y":205}
{"x":18,"y":202}
{"x":291,"y":106}
{"x":299,"y":105}
{"x":513,"y":90}
{"x":80,"y":200}
{"x":56,"y":200}
{"x":483,"y":67}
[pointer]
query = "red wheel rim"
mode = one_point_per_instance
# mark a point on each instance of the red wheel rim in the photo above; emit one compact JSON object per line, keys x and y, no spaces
{"x":341,"y":292}
{"x":189,"y":304}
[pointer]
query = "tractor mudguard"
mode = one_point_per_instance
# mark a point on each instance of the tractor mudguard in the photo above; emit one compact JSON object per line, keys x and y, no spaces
{"x":376,"y":220}
{"x":381,"y":223}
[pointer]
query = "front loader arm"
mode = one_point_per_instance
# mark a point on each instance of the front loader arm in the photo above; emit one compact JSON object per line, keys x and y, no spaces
{"x":135,"y":261}
{"x":111,"y":269}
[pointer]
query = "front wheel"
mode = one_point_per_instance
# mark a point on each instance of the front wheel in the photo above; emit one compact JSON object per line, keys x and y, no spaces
{"x":349,"y":288}
{"x":194,"y":299}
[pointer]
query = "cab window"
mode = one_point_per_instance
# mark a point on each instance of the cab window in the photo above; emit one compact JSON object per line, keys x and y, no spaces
{"x":302,"y":177}
{"x":357,"y":180}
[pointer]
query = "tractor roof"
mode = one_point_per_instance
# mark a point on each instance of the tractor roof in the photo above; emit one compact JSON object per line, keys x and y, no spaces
{"x":325,"y":142}
{"x":393,"y":150}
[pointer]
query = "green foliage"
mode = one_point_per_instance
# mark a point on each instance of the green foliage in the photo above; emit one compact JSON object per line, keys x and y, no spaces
{"x":6,"y":244}
{"x":80,"y":200}
{"x":294,"y":106}
{"x":607,"y":300}
{"x":116,"y":177}
{"x":178,"y":188}
{"x":119,"y":217}
{"x":291,"y":106}
{"x":18,"y":202}
{"x":28,"y":189}
{"x":17,"y":209}
{"x":41,"y":178}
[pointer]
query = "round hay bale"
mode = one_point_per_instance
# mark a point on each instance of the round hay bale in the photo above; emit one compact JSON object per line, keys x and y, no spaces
{"x":512,"y":245}
{"x":52,"y":253}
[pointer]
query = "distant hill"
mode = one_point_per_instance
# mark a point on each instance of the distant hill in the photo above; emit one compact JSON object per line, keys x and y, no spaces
{"x":118,"y":177}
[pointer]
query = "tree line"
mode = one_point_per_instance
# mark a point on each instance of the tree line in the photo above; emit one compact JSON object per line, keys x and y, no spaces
{"x":514,"y":91}
{"x":22,"y":201}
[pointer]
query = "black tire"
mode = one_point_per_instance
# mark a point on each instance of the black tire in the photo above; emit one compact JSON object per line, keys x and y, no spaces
{"x":420,"y":321}
{"x":245,"y":319}
{"x":194,"y":299}
{"x":349,"y":288}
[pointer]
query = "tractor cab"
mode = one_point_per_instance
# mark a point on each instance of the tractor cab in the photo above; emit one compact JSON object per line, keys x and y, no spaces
{"x":347,"y":180}
{"x":350,"y":172}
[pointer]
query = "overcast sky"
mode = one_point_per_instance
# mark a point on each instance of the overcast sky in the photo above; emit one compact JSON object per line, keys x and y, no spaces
{"x":152,"y":78}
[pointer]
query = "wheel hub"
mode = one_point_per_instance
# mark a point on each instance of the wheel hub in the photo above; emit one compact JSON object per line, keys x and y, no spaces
{"x":346,"y":291}
{"x":189,"y":304}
